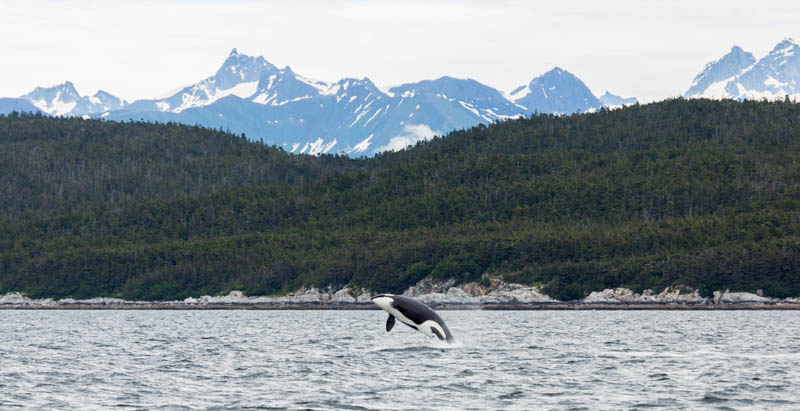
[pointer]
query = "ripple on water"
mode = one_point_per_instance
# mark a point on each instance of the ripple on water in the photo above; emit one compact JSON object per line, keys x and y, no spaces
{"x":346,"y":360}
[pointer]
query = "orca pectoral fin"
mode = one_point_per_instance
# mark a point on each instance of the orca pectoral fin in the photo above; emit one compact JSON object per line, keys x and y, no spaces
{"x":389,"y":323}
{"x":435,"y":331}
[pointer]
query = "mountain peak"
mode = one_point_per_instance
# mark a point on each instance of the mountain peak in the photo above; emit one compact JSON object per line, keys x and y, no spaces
{"x":785,"y":45}
{"x":735,"y":49}
{"x":555,"y":71}
{"x":774,"y":76}
{"x":711,"y":81}
{"x":557,"y":91}
{"x":353,"y":81}
{"x":448,"y":78}
{"x":282,"y":88}
{"x":613,"y":100}
{"x":483,"y":102}
{"x":65,"y":87}
{"x":240,"y":68}
{"x":64,"y":99}
{"x":556,"y":74}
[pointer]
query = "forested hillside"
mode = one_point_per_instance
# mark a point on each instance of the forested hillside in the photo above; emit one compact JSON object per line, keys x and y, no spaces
{"x":695,"y":193}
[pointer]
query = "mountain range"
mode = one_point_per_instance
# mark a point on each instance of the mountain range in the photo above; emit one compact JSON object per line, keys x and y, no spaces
{"x":355,"y":117}
{"x":351,"y":116}
{"x":64,"y":100}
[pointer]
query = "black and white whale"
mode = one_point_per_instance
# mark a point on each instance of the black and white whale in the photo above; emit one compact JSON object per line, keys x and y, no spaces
{"x":413,"y":314}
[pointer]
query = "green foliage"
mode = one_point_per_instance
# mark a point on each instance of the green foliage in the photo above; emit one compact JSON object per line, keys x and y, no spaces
{"x":564,"y":292}
{"x":462,"y":267}
{"x":697,"y":193}
{"x":417,"y":272}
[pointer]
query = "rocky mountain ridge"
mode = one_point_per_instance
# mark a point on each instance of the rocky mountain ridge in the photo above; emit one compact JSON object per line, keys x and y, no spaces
{"x":64,"y":100}
{"x":249,"y":95}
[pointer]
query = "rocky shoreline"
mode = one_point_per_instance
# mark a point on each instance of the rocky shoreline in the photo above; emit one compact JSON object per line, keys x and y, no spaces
{"x":488,"y":295}
{"x":442,"y":307}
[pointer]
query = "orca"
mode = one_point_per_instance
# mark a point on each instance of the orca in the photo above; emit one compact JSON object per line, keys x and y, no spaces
{"x":413,"y":314}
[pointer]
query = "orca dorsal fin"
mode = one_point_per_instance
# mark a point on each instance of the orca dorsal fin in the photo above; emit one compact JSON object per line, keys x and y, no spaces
{"x":389,"y":323}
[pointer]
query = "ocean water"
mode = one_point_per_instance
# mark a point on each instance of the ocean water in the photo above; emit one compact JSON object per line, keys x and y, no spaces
{"x":345,"y":360}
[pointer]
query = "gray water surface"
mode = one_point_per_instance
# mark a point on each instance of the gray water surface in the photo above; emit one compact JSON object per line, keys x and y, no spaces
{"x":346,"y":360}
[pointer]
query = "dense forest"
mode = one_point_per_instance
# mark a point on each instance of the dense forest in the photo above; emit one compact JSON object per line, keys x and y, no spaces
{"x":694,"y":193}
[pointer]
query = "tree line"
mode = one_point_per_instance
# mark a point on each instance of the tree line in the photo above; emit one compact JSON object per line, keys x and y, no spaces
{"x":693,"y":193}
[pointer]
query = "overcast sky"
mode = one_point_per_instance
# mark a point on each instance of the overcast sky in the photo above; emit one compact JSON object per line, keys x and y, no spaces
{"x":143,"y":49}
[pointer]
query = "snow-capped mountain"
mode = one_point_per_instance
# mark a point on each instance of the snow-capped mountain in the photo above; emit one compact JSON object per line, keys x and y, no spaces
{"x":557,"y":91}
{"x":485,"y":103}
{"x":239,"y":75}
{"x":57,"y":100}
{"x":351,"y":116}
{"x":64,"y":100}
{"x":717,"y":74}
{"x":613,"y":100}
{"x":284,"y":87}
{"x":739,"y":75}
{"x":99,"y":102}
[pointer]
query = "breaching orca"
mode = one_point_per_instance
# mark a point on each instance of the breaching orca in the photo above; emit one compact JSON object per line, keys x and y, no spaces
{"x":413,"y":314}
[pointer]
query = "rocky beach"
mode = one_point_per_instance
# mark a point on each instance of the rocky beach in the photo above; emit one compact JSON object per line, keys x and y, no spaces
{"x":494,"y":295}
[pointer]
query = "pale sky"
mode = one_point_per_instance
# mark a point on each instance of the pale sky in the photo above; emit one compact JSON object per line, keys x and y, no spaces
{"x":142,"y":49}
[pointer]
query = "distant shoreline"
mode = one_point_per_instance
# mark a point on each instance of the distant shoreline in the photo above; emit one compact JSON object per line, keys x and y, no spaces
{"x":444,"y":307}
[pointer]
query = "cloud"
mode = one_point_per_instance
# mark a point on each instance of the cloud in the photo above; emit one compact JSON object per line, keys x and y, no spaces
{"x":412,"y":133}
{"x":139,"y":49}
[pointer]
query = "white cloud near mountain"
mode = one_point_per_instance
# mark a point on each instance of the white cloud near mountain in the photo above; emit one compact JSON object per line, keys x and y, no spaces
{"x":413,"y":133}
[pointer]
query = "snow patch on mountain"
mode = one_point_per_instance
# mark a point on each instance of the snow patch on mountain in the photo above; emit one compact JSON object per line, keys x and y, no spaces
{"x":362,"y":146}
{"x":316,"y":147}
